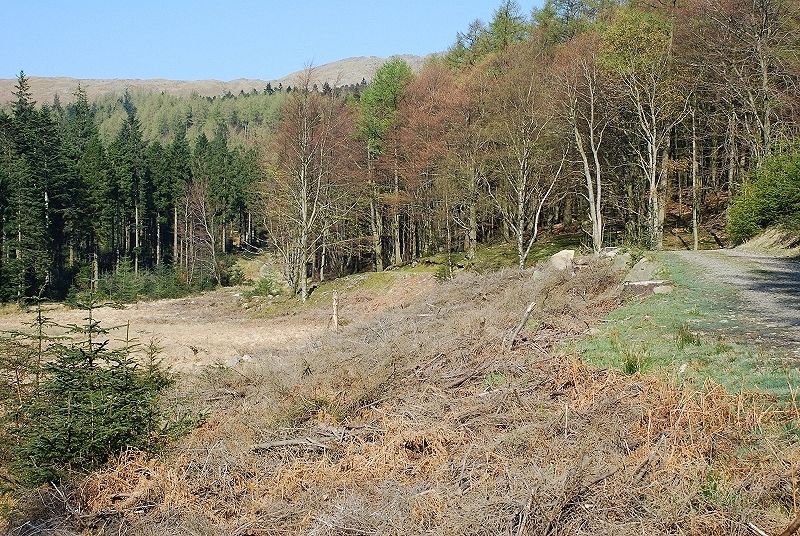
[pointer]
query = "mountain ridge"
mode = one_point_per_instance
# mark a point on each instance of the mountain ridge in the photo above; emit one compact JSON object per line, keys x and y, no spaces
{"x":338,"y":73}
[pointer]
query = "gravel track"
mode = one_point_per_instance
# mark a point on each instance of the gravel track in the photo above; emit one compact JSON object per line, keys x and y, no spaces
{"x":768,"y":289}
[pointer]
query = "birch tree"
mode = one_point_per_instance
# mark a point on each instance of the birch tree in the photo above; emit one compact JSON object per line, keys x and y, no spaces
{"x":637,"y":51}
{"x":589,"y":113}
{"x":308,"y":154}
{"x":528,"y":165}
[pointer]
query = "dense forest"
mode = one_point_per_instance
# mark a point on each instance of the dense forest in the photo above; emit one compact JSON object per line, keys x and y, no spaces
{"x":619,"y":121}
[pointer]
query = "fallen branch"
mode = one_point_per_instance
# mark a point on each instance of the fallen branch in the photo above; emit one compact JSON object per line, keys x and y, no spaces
{"x":521,"y":325}
{"x":755,"y":530}
{"x":648,"y":283}
{"x":644,"y":467}
{"x":459,"y":380}
{"x":793,"y":527}
{"x":306,"y":442}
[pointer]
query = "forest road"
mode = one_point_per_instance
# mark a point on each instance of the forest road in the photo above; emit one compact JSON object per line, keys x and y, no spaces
{"x":767,"y":302}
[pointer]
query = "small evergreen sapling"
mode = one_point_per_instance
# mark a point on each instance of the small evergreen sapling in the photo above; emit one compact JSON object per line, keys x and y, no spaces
{"x":92,"y":402}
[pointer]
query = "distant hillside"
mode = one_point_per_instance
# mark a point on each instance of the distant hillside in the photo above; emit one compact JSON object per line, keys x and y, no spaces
{"x":343,"y":72}
{"x":348,"y":71}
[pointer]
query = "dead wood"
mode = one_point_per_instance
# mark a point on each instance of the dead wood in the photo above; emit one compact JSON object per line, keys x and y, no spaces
{"x":305,"y":442}
{"x":793,"y":527}
{"x":525,"y":317}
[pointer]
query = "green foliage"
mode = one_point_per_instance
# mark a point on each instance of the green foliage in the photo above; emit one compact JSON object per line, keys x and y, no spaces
{"x":164,"y":116}
{"x":266,"y":286}
{"x":494,"y":379}
{"x":67,"y":200}
{"x":125,"y":286}
{"x":508,"y":26}
{"x":716,"y":490}
{"x":634,"y":356}
{"x":684,"y":337}
{"x":561,"y":20}
{"x":69,"y":406}
{"x":635,"y":40}
{"x":770,"y":196}
{"x":444,"y":272}
{"x":632,"y":361}
{"x":231,"y":275}
{"x":379,"y":102}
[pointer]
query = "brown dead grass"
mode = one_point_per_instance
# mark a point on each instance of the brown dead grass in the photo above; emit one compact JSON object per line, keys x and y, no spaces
{"x":430,"y":426}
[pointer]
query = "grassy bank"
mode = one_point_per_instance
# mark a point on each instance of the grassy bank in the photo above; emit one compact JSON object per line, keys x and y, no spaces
{"x":488,"y":258}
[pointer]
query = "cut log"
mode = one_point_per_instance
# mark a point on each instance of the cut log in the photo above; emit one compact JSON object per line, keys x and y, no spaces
{"x":335,"y":315}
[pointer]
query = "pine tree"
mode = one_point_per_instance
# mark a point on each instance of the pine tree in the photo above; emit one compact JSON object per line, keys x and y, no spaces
{"x":180,"y":158}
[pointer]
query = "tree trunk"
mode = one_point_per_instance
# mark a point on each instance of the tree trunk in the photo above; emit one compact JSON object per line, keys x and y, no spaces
{"x":695,"y":186}
{"x":158,"y":240}
{"x":224,"y":238}
{"x":323,"y":257}
{"x":714,"y":164}
{"x":398,"y":259}
{"x":520,"y":220}
{"x":136,"y":240}
{"x":592,"y":176}
{"x":732,"y":154}
{"x":472,"y":231}
{"x":175,"y":255}
{"x":95,"y":270}
{"x":376,"y":222}
{"x":335,"y":315}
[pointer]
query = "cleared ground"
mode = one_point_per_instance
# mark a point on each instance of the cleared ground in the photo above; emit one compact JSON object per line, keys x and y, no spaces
{"x":225,"y":327}
{"x":429,"y":412}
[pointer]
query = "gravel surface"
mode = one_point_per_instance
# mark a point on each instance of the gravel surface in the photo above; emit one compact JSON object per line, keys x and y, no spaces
{"x":768,"y":289}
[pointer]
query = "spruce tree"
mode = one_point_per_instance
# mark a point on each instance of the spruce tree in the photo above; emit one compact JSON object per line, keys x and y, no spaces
{"x":29,"y":201}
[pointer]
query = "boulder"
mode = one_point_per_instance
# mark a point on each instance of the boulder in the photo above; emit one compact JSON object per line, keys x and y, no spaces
{"x":643,"y":288}
{"x":644,"y":270}
{"x":622,"y":261}
{"x":563,"y":259}
{"x":663,"y":289}
{"x":609,"y":252}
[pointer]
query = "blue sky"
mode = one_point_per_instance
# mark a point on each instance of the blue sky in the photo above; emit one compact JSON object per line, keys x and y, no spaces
{"x":188,"y":40}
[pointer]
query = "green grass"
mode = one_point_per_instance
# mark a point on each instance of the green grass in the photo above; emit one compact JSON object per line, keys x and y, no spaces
{"x":693,"y":326}
{"x":322,"y":295}
{"x":502,"y":255}
{"x":487,"y":258}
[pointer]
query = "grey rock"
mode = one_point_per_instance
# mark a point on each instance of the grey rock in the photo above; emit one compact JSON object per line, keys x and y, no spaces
{"x":563,"y":259}
{"x":644,"y":270}
{"x":609,"y":252}
{"x":621,"y":261}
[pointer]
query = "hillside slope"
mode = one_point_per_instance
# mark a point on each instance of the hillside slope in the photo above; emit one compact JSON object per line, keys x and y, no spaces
{"x":341,"y":72}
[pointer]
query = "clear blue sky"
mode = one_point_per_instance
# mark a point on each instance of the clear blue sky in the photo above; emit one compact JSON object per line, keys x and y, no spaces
{"x":219,"y":39}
